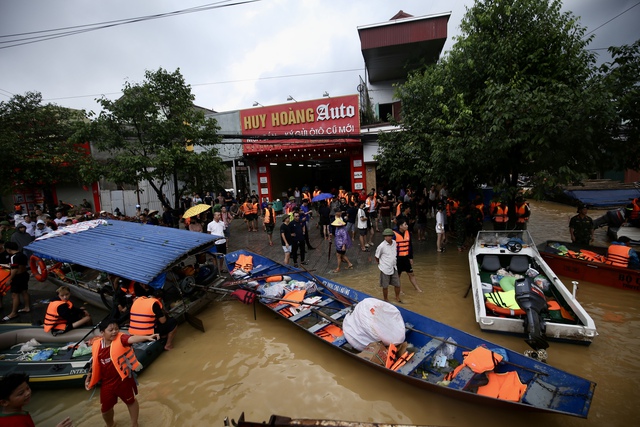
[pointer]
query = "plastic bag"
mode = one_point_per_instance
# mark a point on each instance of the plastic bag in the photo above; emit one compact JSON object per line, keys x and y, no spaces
{"x":373,"y":320}
{"x":444,"y":353}
{"x":274,"y":290}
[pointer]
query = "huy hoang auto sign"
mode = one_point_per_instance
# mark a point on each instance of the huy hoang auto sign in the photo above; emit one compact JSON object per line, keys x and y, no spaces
{"x":322,"y":117}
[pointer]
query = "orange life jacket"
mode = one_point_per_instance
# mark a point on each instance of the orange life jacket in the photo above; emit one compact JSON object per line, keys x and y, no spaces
{"x":635,"y":212}
{"x":402,"y":242}
{"x":52,"y":321}
{"x":591,"y":256}
{"x":341,"y":194}
{"x":129,"y":289}
{"x":520,"y":212}
{"x":4,"y":279}
{"x":316,"y":192}
{"x":618,"y":256}
{"x":269,"y":216}
{"x":479,"y":360}
{"x":502,"y":214}
{"x":122,"y":357}
{"x":244,"y":262}
{"x":246,"y":208}
{"x":306,"y":195}
{"x":399,"y":209}
{"x":493,"y":205}
{"x":142,"y":319}
{"x":505,"y":386}
{"x":452,"y":207}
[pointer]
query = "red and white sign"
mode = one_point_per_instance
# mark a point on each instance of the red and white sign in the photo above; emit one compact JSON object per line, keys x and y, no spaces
{"x":317,"y":118}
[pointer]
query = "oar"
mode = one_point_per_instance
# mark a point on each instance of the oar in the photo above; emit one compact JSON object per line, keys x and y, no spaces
{"x":69,"y":354}
{"x":342,"y":298}
{"x":469,"y":349}
{"x":229,"y":292}
{"x":251,"y":279}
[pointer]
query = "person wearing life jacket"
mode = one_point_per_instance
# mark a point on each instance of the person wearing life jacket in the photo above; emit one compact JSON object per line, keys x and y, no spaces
{"x":61,"y":316}
{"x":634,"y":214}
{"x":269,"y":221}
{"x":620,"y":255}
{"x":523,"y":212}
{"x":500,"y":215}
{"x":405,"y":252}
{"x":148,"y":317}
{"x":113,"y":363}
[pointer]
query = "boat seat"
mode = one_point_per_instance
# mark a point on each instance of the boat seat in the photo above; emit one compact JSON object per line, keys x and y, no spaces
{"x":421,"y":355}
{"x":491,"y":263}
{"x":519,"y":264}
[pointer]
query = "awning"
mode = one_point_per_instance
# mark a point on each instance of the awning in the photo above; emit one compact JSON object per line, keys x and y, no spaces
{"x":130,"y":250}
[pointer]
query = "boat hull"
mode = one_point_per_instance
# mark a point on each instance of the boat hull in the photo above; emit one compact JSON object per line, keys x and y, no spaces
{"x":591,"y":271}
{"x":57,"y":372}
{"x":548,"y":389}
{"x":582,"y":331}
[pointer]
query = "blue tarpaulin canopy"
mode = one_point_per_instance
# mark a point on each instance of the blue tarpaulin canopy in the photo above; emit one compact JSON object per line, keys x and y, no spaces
{"x":130,"y":250}
{"x":604,"y":198}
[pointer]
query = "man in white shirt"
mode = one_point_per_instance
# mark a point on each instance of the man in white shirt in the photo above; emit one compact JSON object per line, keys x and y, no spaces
{"x":216,"y":228}
{"x":60,"y":218}
{"x":386,"y":258}
{"x":31,"y":226}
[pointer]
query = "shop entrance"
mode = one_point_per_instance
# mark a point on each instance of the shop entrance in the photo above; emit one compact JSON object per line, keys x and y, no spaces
{"x":327,"y":174}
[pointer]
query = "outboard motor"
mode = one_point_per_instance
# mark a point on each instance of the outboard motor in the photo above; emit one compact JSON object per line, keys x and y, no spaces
{"x":531,"y":299}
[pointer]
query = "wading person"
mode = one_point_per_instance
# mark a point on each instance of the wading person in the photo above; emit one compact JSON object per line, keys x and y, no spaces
{"x":343,"y":243}
{"x":387,"y":264}
{"x":113,"y":363}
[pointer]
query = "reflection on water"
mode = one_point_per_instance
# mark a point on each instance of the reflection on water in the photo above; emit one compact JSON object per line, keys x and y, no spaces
{"x":267,"y":366}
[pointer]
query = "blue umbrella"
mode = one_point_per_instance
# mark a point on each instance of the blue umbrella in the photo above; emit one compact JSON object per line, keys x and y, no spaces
{"x":322,"y":196}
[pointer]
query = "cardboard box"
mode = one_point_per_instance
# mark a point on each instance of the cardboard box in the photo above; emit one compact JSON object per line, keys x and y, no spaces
{"x":375,"y":352}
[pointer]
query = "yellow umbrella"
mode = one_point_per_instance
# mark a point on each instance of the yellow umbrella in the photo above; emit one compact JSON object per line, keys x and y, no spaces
{"x":196,"y":210}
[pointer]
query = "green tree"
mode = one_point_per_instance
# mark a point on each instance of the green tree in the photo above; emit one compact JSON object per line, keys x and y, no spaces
{"x":515,"y":96}
{"x":147,"y":132}
{"x":36,"y":147}
{"x":621,"y":81}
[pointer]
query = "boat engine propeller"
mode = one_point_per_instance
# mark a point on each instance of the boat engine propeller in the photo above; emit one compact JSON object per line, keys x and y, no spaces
{"x":531,"y":299}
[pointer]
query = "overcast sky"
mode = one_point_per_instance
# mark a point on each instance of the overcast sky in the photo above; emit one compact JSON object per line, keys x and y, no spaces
{"x":232,"y":56}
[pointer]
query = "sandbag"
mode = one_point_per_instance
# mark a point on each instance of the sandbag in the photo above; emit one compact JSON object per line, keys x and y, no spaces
{"x":373,"y":320}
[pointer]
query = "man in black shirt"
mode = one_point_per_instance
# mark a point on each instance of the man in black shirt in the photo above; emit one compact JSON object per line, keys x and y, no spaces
{"x":297,"y":229}
{"x":285,"y":238}
{"x":18,"y":280}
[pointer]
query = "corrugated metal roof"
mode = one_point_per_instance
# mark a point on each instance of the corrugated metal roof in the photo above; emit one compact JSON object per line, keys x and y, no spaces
{"x":130,"y":250}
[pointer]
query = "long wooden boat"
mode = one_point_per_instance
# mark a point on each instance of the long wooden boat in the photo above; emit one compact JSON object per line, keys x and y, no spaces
{"x":48,"y":363}
{"x":282,"y":421}
{"x":433,"y":349}
{"x":544,"y":309}
{"x":578,"y":262}
{"x":83,"y":256}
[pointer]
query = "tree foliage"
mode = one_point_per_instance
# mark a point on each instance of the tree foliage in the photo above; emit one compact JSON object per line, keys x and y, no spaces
{"x":36,"y":146}
{"x":517,"y":95}
{"x":146,"y":133}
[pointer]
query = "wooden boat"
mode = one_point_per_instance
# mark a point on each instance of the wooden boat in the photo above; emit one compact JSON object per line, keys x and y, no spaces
{"x":586,"y":267}
{"x":83,"y":256}
{"x":58,"y":369}
{"x":548,"y":309}
{"x":281,"y":421}
{"x":433,"y":349}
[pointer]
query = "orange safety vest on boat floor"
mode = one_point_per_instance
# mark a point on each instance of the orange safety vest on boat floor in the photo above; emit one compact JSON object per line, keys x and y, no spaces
{"x":123,"y":359}
{"x":142,"y":319}
{"x":479,"y":360}
{"x":244,"y":262}
{"x":53,"y":321}
{"x":505,"y":386}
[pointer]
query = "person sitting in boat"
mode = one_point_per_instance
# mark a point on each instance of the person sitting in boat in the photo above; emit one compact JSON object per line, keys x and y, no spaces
{"x":148,"y":316}
{"x":15,"y":393}
{"x":62,"y":316}
{"x":620,"y":255}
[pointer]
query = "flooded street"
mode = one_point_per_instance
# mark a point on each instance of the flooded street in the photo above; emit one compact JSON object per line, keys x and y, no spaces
{"x":267,"y":366}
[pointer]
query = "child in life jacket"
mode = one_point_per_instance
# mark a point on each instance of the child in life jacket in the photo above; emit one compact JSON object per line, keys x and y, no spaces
{"x":113,"y":363}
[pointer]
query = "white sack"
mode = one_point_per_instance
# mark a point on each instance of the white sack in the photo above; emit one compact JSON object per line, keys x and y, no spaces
{"x":373,"y":320}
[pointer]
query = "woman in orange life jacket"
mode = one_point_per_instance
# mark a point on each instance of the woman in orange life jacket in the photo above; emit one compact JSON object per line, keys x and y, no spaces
{"x":62,"y":316}
{"x":113,"y":363}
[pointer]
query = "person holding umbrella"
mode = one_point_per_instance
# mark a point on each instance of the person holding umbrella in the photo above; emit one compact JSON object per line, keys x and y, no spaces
{"x":343,"y":242}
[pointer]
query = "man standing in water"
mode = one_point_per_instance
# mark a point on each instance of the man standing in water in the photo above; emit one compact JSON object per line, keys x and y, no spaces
{"x":581,"y":227}
{"x":387,"y":261}
{"x":405,"y":251}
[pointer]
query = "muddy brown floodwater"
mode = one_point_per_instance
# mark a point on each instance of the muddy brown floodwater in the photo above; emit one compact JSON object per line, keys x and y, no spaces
{"x":267,"y":366}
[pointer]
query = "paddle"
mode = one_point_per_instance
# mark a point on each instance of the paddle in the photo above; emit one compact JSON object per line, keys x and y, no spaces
{"x":70,"y":352}
{"x":251,"y":279}
{"x":469,"y":349}
{"x":343,"y":299}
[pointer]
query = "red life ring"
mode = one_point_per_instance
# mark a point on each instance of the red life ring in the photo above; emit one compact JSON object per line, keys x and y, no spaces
{"x":508,"y":312}
{"x":38,"y":268}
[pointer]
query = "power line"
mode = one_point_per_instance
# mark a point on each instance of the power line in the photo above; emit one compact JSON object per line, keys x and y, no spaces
{"x":51,"y":34}
{"x":618,"y":15}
